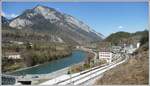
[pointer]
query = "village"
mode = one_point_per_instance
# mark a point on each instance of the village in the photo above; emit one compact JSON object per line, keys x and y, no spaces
{"x":74,"y":43}
{"x":103,"y":57}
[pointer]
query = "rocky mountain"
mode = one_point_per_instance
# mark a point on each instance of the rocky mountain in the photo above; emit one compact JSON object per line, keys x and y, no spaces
{"x":61,"y":26}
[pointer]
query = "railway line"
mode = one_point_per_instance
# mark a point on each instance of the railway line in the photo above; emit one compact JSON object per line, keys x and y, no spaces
{"x":86,"y":75}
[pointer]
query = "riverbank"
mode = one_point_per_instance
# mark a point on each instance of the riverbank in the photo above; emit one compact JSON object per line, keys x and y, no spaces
{"x":40,"y":78}
{"x":25,"y":68}
{"x":21,"y":69}
{"x":76,"y":57}
{"x":88,"y":62}
{"x":86,"y":50}
{"x":34,"y":55}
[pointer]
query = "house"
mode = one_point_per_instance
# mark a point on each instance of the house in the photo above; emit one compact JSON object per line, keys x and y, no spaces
{"x":106,"y":55}
{"x":132,"y":48}
{"x":12,"y":55}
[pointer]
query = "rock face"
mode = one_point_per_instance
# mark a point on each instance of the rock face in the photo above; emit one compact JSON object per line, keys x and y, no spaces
{"x":64,"y":26}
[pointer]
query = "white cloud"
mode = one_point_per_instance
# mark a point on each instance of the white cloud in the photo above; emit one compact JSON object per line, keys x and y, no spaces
{"x":9,"y":16}
{"x":120,"y":27}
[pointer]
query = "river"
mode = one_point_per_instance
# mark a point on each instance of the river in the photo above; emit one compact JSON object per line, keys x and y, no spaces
{"x":76,"y":57}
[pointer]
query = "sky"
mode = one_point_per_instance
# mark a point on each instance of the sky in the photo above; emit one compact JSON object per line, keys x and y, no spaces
{"x":105,"y":18}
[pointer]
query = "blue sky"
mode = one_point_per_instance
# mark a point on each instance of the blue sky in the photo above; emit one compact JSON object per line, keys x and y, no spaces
{"x":105,"y":18}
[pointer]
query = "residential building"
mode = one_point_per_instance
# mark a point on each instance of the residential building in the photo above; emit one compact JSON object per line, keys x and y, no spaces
{"x":132,"y":48}
{"x":12,"y":55}
{"x":106,"y":55}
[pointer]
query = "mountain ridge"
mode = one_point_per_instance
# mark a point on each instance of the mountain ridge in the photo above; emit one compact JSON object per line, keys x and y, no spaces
{"x":61,"y":24}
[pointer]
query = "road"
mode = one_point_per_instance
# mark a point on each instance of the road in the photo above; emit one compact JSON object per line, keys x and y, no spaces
{"x":84,"y":76}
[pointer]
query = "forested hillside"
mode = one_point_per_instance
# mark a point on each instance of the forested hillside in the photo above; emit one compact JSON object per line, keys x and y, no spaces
{"x":125,"y":37}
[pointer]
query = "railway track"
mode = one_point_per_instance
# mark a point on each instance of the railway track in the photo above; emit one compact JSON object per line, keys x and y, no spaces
{"x":86,"y":75}
{"x":91,"y":74}
{"x":81,"y":73}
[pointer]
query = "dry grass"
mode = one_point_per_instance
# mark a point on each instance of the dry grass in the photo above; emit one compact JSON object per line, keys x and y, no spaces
{"x":133,"y":72}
